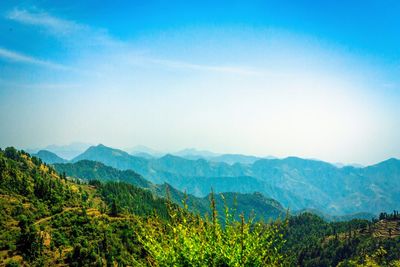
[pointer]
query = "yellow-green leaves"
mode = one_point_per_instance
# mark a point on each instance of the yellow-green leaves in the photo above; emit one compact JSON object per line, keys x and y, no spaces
{"x":191,"y":241}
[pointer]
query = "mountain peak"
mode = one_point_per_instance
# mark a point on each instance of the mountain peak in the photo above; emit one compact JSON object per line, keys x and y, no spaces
{"x":389,"y":162}
{"x":100,"y":147}
{"x":393,"y":160}
{"x":100,"y":151}
{"x":49,"y":157}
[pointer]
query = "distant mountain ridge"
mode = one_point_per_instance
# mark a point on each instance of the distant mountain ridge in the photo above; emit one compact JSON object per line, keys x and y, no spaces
{"x":195,"y":154}
{"x":49,"y":157}
{"x":67,"y":152}
{"x":145,"y":150}
{"x":192,"y":153}
{"x":296,"y":183}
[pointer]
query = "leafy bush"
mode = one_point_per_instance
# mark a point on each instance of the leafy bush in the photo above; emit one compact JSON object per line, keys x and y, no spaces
{"x":188,"y":240}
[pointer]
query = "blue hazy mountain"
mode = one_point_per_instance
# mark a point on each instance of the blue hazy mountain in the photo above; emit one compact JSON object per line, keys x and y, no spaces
{"x":192,"y":153}
{"x":67,"y":152}
{"x":49,"y":157}
{"x":296,"y":183}
{"x":235,"y":158}
{"x":143,"y":155}
{"x":145,"y":151}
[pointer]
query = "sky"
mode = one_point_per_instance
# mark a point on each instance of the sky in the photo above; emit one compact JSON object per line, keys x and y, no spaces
{"x":314,"y":79}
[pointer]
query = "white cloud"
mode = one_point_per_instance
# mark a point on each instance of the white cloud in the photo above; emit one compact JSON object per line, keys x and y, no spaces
{"x":67,"y":30}
{"x":53,"y":24}
{"x":18,"y":57}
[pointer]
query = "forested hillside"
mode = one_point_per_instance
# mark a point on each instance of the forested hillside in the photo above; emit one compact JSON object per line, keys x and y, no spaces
{"x":49,"y":220}
{"x":311,"y":241}
{"x":248,"y":204}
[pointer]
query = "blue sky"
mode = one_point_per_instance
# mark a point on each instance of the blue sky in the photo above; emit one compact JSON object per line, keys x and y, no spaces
{"x":314,"y":79}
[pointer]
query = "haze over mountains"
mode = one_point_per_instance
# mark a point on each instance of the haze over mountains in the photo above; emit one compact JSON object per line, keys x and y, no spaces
{"x":64,"y":151}
{"x":194,"y":154}
{"x":296,"y":183}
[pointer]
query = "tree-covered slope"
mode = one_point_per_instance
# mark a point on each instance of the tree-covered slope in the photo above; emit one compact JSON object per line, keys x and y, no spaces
{"x":45,"y":218}
{"x":48,"y":220}
{"x":249,"y":203}
{"x":92,"y":170}
{"x":311,"y":241}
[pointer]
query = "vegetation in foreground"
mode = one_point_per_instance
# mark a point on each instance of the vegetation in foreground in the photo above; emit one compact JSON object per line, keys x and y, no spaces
{"x":47,"y":220}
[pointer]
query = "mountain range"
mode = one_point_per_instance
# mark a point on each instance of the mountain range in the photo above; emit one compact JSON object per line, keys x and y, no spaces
{"x":296,"y":183}
{"x":248,"y":204}
{"x":72,"y":150}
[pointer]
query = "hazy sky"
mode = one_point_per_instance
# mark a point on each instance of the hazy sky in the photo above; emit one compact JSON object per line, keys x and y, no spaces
{"x":305,"y":78}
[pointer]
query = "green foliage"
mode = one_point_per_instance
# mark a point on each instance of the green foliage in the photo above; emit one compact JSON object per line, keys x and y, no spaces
{"x":29,"y":191}
{"x":313,"y":242}
{"x":392,"y":216}
{"x":30,"y":242}
{"x":188,"y":240}
{"x":27,"y":177}
{"x":123,"y":197}
{"x":12,"y":263}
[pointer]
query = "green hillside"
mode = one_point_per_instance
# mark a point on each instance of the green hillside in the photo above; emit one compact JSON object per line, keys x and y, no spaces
{"x":91,"y":170}
{"x":48,"y":220}
{"x":311,"y":241}
{"x":248,"y":204}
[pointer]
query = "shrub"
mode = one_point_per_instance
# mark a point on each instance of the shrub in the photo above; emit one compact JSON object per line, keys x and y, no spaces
{"x":189,"y":240}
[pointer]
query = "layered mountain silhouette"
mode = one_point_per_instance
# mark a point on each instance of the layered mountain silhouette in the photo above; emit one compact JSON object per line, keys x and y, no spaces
{"x":296,"y":183}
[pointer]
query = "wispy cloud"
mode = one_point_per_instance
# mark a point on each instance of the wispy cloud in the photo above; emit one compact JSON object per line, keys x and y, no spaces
{"x":62,"y":28}
{"x":51,"y":23}
{"x":78,"y":35}
{"x":18,"y":57}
